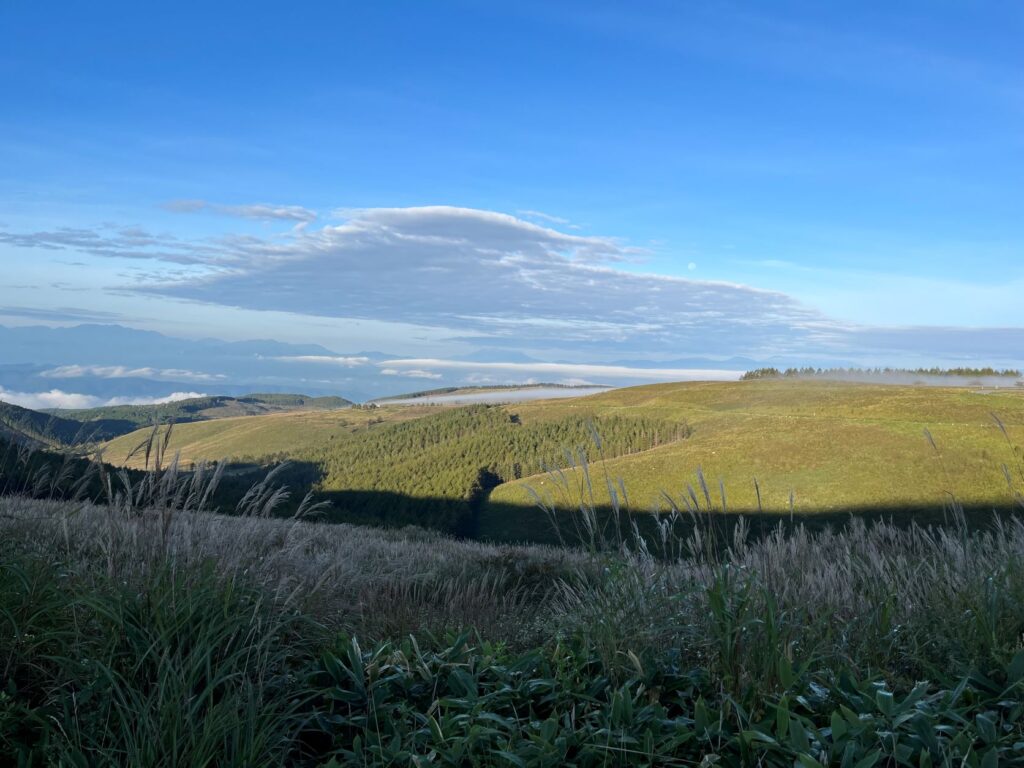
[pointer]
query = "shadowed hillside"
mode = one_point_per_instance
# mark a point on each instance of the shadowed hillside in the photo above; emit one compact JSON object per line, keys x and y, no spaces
{"x":43,"y":429}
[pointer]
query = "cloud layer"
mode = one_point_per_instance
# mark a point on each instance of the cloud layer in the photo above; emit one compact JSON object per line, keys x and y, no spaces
{"x":562,"y":372}
{"x":504,"y":283}
{"x":126,"y":372}
{"x":494,"y":276}
{"x":344,"y":361}
{"x":57,"y":398}
{"x":257,"y":211}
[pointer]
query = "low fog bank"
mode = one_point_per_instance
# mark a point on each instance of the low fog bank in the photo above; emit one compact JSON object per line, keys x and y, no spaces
{"x":918,"y":379}
{"x":495,"y":397}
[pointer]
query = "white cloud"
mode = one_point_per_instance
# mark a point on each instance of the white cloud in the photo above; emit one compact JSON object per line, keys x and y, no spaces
{"x":495,"y":276}
{"x":111,"y":242}
{"x":259,"y":211}
{"x":171,"y":398}
{"x":572,"y":371}
{"x":342,"y":360}
{"x":487,"y":275}
{"x":485,"y":279}
{"x":124,"y":372}
{"x":413,"y":373}
{"x":545,"y":217}
{"x":56,"y":398}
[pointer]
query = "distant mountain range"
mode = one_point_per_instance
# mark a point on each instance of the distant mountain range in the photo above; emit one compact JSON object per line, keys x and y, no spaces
{"x":91,"y":365}
{"x":117,"y":345}
{"x":104,"y":363}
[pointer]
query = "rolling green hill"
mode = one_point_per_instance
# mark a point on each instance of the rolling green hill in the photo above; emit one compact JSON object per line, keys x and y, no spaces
{"x":438,"y":470}
{"x":428,"y":465}
{"x":835,"y":446}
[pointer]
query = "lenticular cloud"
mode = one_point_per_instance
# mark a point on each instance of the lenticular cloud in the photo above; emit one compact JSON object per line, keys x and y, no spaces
{"x":494,"y":275}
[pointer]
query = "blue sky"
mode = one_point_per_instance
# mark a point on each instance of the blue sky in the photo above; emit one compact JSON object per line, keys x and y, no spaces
{"x":823,"y":180}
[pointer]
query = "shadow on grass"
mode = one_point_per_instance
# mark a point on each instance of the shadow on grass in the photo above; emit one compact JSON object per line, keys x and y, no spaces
{"x":516,"y":523}
{"x":526,"y":524}
{"x":473,"y":516}
{"x":476,"y":516}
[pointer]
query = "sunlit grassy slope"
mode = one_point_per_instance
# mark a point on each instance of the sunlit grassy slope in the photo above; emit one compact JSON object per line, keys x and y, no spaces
{"x":835,"y":446}
{"x":253,"y":437}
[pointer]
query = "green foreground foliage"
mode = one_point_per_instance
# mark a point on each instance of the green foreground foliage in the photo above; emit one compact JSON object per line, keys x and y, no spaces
{"x":475,"y":705}
{"x":194,"y":671}
{"x":186,"y":639}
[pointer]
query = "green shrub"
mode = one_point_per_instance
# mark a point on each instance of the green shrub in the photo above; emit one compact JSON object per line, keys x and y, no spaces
{"x":480,"y":706}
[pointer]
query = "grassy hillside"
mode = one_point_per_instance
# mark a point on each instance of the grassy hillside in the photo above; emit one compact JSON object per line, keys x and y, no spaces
{"x":835,"y":446}
{"x":427,"y":465}
{"x":256,"y":437}
{"x":438,"y":469}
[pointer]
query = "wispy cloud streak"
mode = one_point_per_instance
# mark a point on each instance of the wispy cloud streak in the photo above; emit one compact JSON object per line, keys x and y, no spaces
{"x":257,"y":211}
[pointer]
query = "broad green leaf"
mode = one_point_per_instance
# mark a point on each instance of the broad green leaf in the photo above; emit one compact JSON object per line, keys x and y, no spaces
{"x":986,"y":728}
{"x":884,"y":700}
{"x":808,"y":762}
{"x":839,"y":728}
{"x":510,"y":758}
